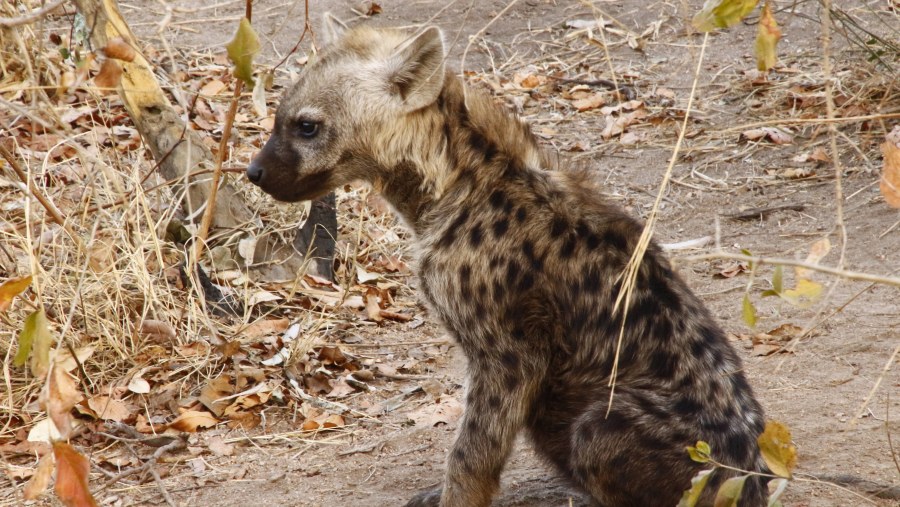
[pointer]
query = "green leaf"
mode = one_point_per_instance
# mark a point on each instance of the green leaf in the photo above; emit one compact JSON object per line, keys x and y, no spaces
{"x":780,"y":485}
{"x":748,"y":254}
{"x":722,"y":13}
{"x":241,"y":51}
{"x":700,"y":453}
{"x":698,"y":484}
{"x":777,"y":450}
{"x":749,"y":312}
{"x":767,"y":37}
{"x":35,"y":340}
{"x":730,"y":492}
{"x":778,"y":280}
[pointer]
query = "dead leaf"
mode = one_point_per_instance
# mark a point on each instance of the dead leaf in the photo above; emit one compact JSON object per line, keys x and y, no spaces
{"x":37,"y":485}
{"x":767,"y":38}
{"x":138,"y":385}
{"x":775,"y":135}
{"x":372,"y":308}
{"x":733,"y":269}
{"x":109,"y":409}
{"x":158,"y":331}
{"x":191,"y":420}
{"x":592,"y":101}
{"x":59,"y":395}
{"x":777,"y":450}
{"x":213,"y":391}
{"x":109,"y":76}
{"x":72,"y":470}
{"x":219,"y":447}
{"x":12,"y":288}
{"x":119,"y":49}
{"x":35,"y":341}
{"x":212,"y":88}
{"x":63,"y":358}
{"x":890,"y":175}
{"x":447,"y":410}
{"x":373,"y":9}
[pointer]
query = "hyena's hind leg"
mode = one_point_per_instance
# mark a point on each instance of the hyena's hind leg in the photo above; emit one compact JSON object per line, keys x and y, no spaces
{"x":500,"y":394}
{"x":635,"y":453}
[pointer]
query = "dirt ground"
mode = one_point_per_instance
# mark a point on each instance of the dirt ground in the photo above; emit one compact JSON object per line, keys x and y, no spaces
{"x":830,"y":389}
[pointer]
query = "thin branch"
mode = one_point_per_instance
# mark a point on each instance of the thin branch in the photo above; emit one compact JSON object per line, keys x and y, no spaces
{"x":31,"y":16}
{"x":849,"y":275}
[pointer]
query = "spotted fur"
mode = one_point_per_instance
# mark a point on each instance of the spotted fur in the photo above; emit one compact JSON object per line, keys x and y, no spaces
{"x":521,"y":265}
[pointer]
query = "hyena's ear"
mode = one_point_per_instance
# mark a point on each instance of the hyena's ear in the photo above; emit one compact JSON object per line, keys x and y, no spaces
{"x":332,"y":29}
{"x":417,"y":69}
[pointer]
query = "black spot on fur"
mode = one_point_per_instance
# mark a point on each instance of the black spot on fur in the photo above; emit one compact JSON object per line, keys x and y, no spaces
{"x":497,"y":199}
{"x":616,"y":422}
{"x":509,"y":360}
{"x":686,"y":407}
{"x":513,"y":270}
{"x":558,"y":226}
{"x":737,"y":447}
{"x":663,"y":364}
{"x":705,"y":341}
{"x":449,"y":236}
{"x":592,"y":241}
{"x":519,"y":334}
{"x":614,"y":239}
{"x":592,"y":281}
{"x":537,"y":264}
{"x":568,"y":246}
{"x":521,"y":214}
{"x":481,"y":145}
{"x":527,"y":281}
{"x":495,"y":262}
{"x":500,"y":227}
{"x":493,"y":400}
{"x":475,"y":236}
{"x":511,"y":380}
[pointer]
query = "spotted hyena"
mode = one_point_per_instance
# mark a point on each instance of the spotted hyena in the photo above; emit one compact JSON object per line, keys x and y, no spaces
{"x":522,"y":265}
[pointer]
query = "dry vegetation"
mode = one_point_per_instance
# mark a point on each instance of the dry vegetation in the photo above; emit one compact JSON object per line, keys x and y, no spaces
{"x":308,"y":361}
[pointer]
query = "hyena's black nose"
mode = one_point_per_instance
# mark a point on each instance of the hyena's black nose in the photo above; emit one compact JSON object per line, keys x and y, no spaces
{"x":254,"y":171}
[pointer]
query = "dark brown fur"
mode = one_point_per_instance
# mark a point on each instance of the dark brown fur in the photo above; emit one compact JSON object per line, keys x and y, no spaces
{"x":523,"y":266}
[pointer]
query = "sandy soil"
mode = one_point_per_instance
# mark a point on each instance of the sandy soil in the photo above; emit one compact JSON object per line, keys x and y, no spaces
{"x":817,"y":390}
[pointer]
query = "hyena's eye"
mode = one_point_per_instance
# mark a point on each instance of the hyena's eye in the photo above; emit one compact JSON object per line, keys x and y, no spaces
{"x":307,"y":129}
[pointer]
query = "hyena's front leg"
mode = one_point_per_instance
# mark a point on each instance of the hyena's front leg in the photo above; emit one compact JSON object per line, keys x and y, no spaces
{"x":500,"y":393}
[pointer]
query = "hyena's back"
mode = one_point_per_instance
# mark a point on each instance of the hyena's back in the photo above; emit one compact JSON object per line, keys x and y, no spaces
{"x":528,"y":268}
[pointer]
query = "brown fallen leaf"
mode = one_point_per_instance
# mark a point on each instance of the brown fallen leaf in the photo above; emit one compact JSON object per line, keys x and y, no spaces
{"x":264,"y":327}
{"x":767,"y":38}
{"x":109,"y":76}
{"x":219,"y":447}
{"x":59,"y":395}
{"x":212,"y":392}
{"x":109,"y":409}
{"x":890,"y":175}
{"x":158,"y":331}
{"x":37,"y":485}
{"x":119,"y":49}
{"x":12,"y":288}
{"x":372,"y":309}
{"x":592,"y":101}
{"x":776,"y":136}
{"x":191,"y":420}
{"x":72,"y":471}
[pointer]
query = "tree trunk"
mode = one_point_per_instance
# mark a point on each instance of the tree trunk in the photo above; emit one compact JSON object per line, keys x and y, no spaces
{"x":179,"y":151}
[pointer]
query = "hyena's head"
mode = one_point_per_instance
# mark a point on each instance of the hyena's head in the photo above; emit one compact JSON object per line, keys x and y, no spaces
{"x":348,"y":110}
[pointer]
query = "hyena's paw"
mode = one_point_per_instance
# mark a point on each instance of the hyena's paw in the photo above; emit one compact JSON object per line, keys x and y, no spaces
{"x":427,"y":498}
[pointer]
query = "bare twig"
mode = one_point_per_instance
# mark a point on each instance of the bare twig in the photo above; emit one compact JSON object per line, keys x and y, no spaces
{"x":849,"y":275}
{"x":31,"y":16}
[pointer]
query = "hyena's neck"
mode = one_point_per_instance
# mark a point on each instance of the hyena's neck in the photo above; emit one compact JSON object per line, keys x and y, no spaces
{"x":460,"y":140}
